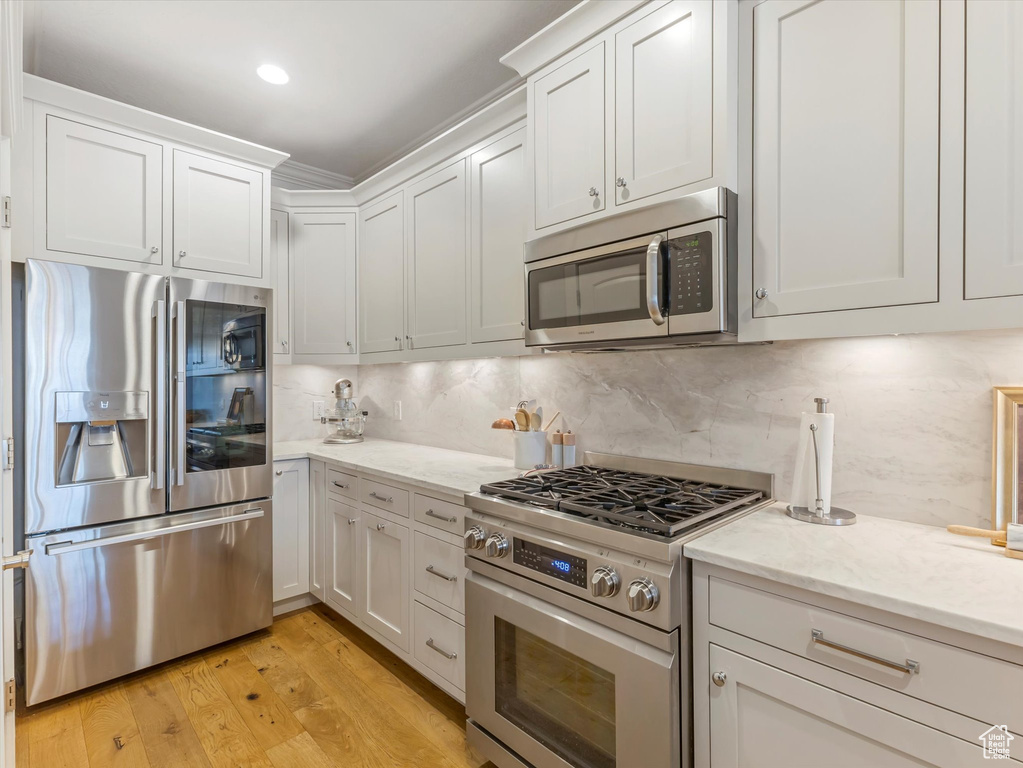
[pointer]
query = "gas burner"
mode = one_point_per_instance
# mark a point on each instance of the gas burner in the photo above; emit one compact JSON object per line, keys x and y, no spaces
{"x":651,"y":505}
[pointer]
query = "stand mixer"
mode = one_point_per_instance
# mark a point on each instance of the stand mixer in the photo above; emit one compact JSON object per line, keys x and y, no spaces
{"x":344,"y":422}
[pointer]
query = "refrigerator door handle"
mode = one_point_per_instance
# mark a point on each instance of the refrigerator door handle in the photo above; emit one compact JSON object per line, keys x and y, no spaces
{"x":179,"y":392}
{"x":160,"y":448}
{"x":63,"y":547}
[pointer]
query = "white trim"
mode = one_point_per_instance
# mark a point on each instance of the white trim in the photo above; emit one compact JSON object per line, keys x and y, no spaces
{"x":296,"y":199}
{"x":165,"y":128}
{"x":289,"y":604}
{"x":580,"y":24}
{"x":293,"y":175}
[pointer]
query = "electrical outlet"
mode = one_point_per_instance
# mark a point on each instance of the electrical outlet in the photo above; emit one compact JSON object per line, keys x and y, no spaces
{"x":397,"y":410}
{"x":317,"y":410}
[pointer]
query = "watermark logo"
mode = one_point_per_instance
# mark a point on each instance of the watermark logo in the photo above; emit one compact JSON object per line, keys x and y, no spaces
{"x":996,"y":740}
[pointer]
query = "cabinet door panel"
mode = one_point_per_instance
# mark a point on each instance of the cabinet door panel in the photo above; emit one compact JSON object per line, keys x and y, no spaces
{"x":384,"y":569}
{"x":323,"y":283}
{"x":663,"y":107}
{"x":291,"y":529}
{"x":994,"y":149}
{"x":218,"y":216}
{"x":342,"y":540}
{"x":317,"y":528}
{"x":437,"y":262}
{"x":568,"y":136}
{"x":104,"y":193}
{"x":763,"y":716}
{"x":280,"y":260}
{"x":499,"y":227}
{"x":382,"y":275}
{"x":845,"y":155}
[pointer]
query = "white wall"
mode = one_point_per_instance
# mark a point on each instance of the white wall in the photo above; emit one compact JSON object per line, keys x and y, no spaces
{"x":295,"y":388}
{"x":913,"y":412}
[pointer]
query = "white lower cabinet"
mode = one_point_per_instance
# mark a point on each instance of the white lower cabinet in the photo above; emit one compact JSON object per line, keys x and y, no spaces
{"x":291,"y":529}
{"x":384,"y":571}
{"x":317,"y":528}
{"x":440,"y":644}
{"x":764,"y":716}
{"x":342,"y":525}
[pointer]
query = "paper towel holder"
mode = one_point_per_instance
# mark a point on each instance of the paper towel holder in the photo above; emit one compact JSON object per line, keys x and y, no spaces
{"x":837,"y":515}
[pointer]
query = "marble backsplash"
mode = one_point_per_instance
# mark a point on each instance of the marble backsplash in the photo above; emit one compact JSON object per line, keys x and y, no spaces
{"x":295,"y":389}
{"x":913,"y":412}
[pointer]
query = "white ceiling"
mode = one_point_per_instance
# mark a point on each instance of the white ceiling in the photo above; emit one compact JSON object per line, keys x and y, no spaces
{"x":369,"y":78}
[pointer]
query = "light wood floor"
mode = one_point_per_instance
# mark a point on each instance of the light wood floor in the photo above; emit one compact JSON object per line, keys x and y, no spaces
{"x":310,"y":692}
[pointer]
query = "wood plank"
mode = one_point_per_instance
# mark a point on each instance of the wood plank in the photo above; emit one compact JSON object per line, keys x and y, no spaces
{"x":111,"y":734}
{"x":265,"y":715}
{"x":318,"y":628}
{"x":291,"y":683}
{"x":299,"y":752}
{"x":345,"y":740}
{"x":55,"y":737}
{"x":21,"y":755}
{"x":403,"y":742}
{"x":228,"y":743}
{"x":167,"y":734}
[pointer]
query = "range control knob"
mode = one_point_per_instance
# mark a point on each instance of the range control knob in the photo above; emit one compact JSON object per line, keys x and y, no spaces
{"x":604,"y":582}
{"x":643,"y":595}
{"x":497,"y":545}
{"x":474,"y":538}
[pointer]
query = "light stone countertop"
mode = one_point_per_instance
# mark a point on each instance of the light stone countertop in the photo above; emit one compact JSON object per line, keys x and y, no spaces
{"x":435,"y":469}
{"x":913,"y":570}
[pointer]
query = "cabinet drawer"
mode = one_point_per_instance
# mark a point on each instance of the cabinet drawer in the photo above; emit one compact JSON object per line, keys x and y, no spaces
{"x":440,"y":645}
{"x":342,"y":484}
{"x":384,"y":497}
{"x":440,"y":568}
{"x":439,"y":514}
{"x":963,"y":681}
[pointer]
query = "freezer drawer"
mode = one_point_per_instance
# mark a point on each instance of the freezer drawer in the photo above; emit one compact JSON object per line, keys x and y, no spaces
{"x":107,"y":601}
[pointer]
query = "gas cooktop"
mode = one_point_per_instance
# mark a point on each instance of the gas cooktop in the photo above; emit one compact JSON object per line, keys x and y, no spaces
{"x":646,"y":504}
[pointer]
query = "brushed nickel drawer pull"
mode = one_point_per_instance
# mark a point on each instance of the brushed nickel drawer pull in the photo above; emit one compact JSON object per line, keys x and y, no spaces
{"x":434,"y":572}
{"x":344,"y":487}
{"x":431,"y":513}
{"x":910,"y":667}
{"x":387,"y":499}
{"x":446,"y":654}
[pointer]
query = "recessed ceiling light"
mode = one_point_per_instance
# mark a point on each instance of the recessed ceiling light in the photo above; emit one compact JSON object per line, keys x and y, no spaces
{"x":272,"y":74}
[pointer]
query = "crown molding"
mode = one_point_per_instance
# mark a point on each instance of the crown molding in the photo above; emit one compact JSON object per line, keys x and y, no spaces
{"x":294,"y":175}
{"x":583,"y":21}
{"x":296,"y":200}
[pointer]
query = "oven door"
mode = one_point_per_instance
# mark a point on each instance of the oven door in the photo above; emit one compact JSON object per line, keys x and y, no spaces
{"x":562,"y":690}
{"x":613,"y":292}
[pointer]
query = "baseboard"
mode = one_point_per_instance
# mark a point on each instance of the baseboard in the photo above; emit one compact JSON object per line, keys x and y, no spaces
{"x":294,"y":603}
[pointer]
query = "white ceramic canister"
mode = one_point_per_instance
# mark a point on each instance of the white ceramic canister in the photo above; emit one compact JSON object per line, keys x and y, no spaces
{"x":530,"y":449}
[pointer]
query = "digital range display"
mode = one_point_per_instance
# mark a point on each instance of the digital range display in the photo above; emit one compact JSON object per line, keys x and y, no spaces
{"x":567,"y":568}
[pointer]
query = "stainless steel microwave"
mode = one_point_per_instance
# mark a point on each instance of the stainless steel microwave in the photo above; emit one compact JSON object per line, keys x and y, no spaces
{"x":663,"y":275}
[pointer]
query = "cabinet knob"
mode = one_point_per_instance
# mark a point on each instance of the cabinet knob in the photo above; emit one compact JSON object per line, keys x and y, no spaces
{"x":593,"y":192}
{"x":719,"y":679}
{"x":761,"y":293}
{"x":154,"y":249}
{"x":409,"y":340}
{"x":284,"y":342}
{"x":620,"y":182}
{"x":348,"y":343}
{"x":181,"y":253}
{"x":279,"y":472}
{"x":351,"y":521}
{"x":381,"y":526}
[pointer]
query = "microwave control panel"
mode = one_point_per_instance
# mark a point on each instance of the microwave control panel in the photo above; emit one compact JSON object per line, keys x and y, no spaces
{"x":692,"y":274}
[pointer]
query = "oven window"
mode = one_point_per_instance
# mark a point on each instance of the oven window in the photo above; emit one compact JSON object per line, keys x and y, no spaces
{"x":608,"y":289}
{"x":561,"y":700}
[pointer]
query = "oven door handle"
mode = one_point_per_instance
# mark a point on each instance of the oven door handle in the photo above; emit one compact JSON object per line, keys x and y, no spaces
{"x":653,"y":280}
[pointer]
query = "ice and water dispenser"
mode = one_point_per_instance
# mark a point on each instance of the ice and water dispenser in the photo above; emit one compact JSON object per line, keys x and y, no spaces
{"x":101,"y":436}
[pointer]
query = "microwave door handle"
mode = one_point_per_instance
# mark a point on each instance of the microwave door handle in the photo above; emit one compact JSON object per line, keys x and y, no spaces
{"x":179,"y":392}
{"x":160,"y":433}
{"x":653,"y":280}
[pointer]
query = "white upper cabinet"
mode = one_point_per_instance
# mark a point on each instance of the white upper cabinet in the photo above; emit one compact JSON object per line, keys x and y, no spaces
{"x":499,"y":222}
{"x":845,"y":155}
{"x":663,"y":100}
{"x":994,"y":149}
{"x":104,"y":193}
{"x":437,"y":258}
{"x":568,"y":135}
{"x":382,"y":275}
{"x":323,"y":280}
{"x":280,"y":260}
{"x":218,"y":216}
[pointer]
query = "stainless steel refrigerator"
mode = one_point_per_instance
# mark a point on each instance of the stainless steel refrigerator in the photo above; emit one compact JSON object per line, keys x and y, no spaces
{"x":147,"y":471}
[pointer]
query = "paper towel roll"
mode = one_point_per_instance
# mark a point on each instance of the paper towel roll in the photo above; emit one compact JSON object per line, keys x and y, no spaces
{"x":804,"y":482}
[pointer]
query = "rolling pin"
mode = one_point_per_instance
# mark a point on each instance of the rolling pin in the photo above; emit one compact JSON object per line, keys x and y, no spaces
{"x":1011,"y":538}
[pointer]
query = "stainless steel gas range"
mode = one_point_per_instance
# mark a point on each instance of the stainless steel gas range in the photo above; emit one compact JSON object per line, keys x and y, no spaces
{"x":577,"y":609}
